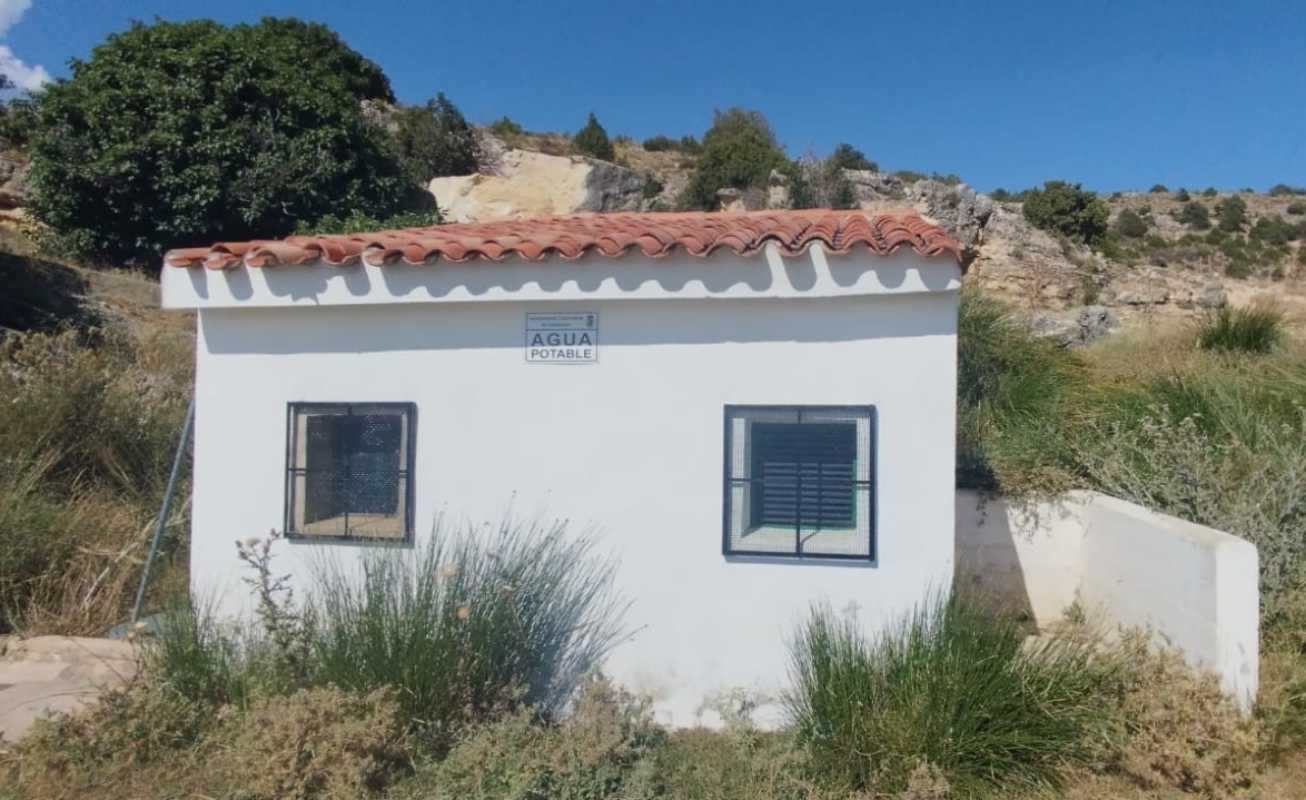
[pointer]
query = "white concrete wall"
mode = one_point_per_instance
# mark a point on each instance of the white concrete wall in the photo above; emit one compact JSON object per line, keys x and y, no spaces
{"x":632,"y":444}
{"x":1195,"y":587}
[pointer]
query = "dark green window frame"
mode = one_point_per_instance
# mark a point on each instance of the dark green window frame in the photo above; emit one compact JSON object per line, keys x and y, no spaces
{"x":345,"y":478}
{"x":789,"y":475}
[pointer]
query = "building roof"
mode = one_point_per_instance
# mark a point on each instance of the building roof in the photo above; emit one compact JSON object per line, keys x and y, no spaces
{"x":571,"y":237}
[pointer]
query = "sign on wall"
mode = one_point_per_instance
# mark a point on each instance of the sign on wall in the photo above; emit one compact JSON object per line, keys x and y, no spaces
{"x":570,"y":338}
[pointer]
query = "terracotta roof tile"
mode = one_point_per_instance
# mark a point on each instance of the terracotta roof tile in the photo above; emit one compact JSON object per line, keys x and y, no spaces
{"x":571,"y":237}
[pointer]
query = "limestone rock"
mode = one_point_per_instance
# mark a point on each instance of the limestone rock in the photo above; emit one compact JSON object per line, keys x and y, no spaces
{"x":1076,"y":328}
{"x":1142,"y":296}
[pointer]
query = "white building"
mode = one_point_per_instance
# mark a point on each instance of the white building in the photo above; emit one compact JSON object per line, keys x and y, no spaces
{"x":756,"y":411}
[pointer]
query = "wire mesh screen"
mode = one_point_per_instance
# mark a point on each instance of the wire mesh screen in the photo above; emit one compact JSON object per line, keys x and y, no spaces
{"x":349,"y":470}
{"x":799,"y":481}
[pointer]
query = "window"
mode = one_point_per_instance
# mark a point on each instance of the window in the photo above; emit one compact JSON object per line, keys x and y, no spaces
{"x":349,"y":471}
{"x":799,"y":481}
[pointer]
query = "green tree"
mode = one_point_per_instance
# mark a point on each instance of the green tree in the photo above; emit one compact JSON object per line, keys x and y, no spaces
{"x":592,"y":140}
{"x":739,"y":151}
{"x":186,"y":133}
{"x":1067,"y":209}
{"x":434,"y":140}
{"x":1232,"y":213}
{"x":1159,"y":188}
{"x":845,"y":156}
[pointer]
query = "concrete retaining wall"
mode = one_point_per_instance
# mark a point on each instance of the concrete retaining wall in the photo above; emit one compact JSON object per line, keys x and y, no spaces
{"x":1194,"y":586}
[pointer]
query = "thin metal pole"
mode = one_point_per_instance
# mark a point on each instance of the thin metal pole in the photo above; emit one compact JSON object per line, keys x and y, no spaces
{"x":163,"y":511}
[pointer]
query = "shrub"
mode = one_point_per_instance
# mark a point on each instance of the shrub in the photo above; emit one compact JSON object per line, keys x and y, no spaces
{"x":1182,"y":196}
{"x":1253,"y":329}
{"x":593,"y":753}
{"x":1011,"y":394}
{"x":266,"y":129}
{"x":593,"y":141}
{"x":505,"y":127}
{"x":953,"y":686}
{"x":1194,"y":215}
{"x":471,"y":624}
{"x":1181,"y":731}
{"x":1232,"y":213}
{"x":317,"y":743}
{"x":659,"y":143}
{"x":910,"y":176}
{"x":1274,"y":230}
{"x":434,"y":140}
{"x":88,"y":428}
{"x":744,"y":764}
{"x":845,"y":156}
{"x":359,"y":222}
{"x":1159,"y":188}
{"x":1210,"y":191}
{"x":1065,"y":208}
{"x":1130,"y":224}
{"x":1001,"y":195}
{"x":1284,"y":190}
{"x":739,"y":151}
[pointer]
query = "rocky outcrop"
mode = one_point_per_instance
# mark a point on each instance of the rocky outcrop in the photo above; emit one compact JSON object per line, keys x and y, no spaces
{"x":1076,"y":328}
{"x":523,"y":183}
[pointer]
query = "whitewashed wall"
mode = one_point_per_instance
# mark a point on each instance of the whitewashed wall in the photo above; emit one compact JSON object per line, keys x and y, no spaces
{"x":631,"y":445}
{"x":1196,"y":587}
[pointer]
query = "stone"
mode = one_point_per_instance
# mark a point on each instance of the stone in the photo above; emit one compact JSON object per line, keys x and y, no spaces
{"x":1142,"y":296}
{"x":1076,"y":328}
{"x":1211,"y":297}
{"x":731,"y":199}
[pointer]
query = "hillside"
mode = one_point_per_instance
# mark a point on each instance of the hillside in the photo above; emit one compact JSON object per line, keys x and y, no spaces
{"x":1168,"y":272}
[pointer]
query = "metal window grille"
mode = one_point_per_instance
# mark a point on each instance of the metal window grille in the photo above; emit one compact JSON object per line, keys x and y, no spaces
{"x":349,"y":469}
{"x":799,"y":481}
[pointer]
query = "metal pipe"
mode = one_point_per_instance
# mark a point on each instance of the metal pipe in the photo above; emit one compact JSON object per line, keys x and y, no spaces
{"x":163,"y":511}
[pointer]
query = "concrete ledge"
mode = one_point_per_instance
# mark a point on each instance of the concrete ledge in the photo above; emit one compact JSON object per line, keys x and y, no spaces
{"x":1197,"y":588}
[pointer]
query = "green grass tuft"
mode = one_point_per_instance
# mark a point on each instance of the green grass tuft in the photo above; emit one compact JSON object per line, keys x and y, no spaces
{"x":952,"y":686}
{"x":1253,"y":329}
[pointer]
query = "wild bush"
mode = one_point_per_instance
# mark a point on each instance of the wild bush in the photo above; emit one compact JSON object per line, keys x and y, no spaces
{"x":1194,"y":215}
{"x":358,"y":222}
{"x":1210,"y":191}
{"x":1180,"y":731}
{"x":434,"y":140}
{"x":88,"y":428}
{"x":471,"y":624}
{"x":845,"y":156}
{"x":739,"y":151}
{"x":597,"y":751}
{"x":1284,"y":190}
{"x":1129,"y":223}
{"x":592,"y":140}
{"x":1182,"y":196}
{"x":1067,"y":209}
{"x":1274,"y":230}
{"x":1159,"y":188}
{"x":1297,"y":208}
{"x":659,"y":143}
{"x":317,"y":743}
{"x":506,"y":127}
{"x":1251,"y":329}
{"x":1231,"y":213}
{"x":952,"y":685}
{"x":1012,"y":395}
{"x":266,"y":129}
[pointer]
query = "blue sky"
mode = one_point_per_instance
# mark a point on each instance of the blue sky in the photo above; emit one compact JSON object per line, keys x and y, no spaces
{"x":1113,"y":94}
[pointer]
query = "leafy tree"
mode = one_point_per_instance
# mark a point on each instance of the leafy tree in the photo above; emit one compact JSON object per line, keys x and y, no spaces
{"x":1194,"y":215}
{"x":357,"y":222}
{"x":739,"y":151}
{"x":1067,"y":209}
{"x":1159,"y":188}
{"x":1182,"y":195}
{"x":185,"y":133}
{"x":845,"y":156}
{"x":592,"y":140}
{"x":434,"y":140}
{"x":1001,"y":195}
{"x":1209,"y":191}
{"x":1130,"y":224}
{"x":689,"y":144}
{"x":1232,"y":212}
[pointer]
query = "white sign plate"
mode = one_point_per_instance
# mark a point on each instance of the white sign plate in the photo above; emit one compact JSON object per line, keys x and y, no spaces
{"x":571,"y":338}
